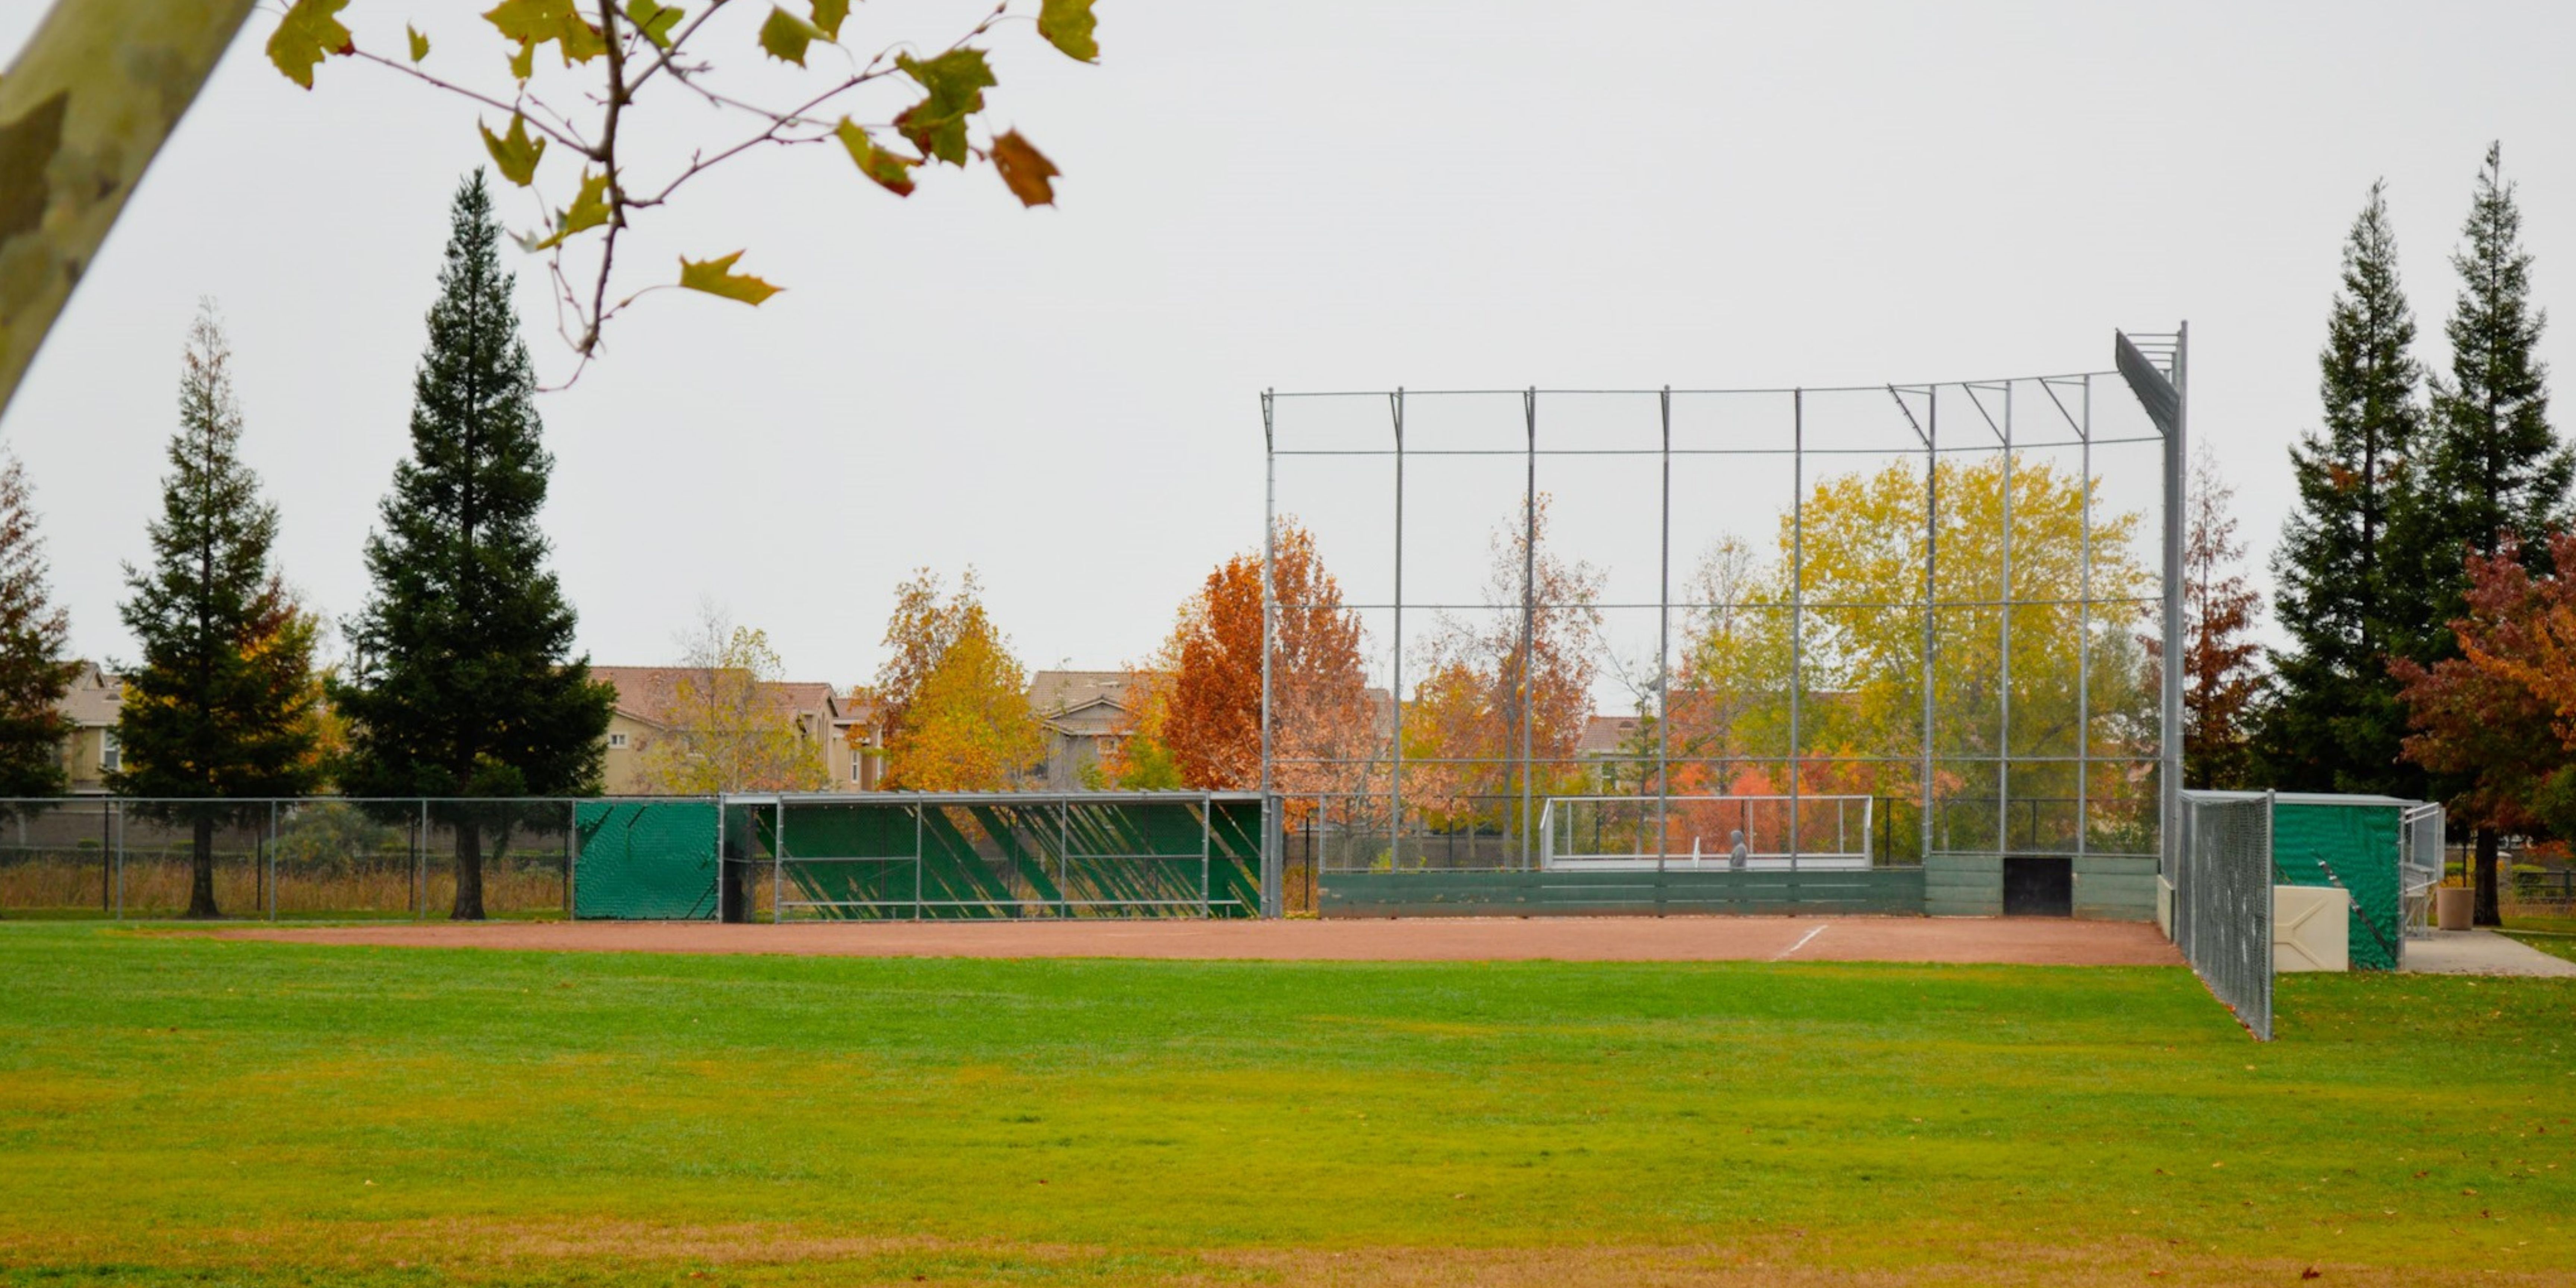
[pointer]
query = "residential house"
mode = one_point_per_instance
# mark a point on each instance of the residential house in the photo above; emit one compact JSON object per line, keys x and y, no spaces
{"x":645,"y":710}
{"x":1083,"y":713}
{"x":90,"y":752}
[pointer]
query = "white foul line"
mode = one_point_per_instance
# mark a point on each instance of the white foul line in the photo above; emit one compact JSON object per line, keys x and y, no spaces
{"x":1785,"y":953}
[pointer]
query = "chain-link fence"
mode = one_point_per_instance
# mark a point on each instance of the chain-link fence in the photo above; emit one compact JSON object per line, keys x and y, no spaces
{"x":324,"y":858}
{"x":2222,"y":901}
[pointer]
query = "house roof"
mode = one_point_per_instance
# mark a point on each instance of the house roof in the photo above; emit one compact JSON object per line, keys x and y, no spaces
{"x":1604,"y":735}
{"x":94,"y":698}
{"x":647,"y":693}
{"x":1053,"y":693}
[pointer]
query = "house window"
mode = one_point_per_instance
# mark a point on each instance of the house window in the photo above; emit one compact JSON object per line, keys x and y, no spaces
{"x":617,"y":740}
{"x":858,"y":765}
{"x":111,"y":756}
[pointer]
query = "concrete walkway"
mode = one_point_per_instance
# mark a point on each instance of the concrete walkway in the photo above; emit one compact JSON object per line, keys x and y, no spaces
{"x":2480,"y":952}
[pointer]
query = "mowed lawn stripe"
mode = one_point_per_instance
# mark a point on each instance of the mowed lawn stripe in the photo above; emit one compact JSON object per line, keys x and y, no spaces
{"x":168,"y":1100}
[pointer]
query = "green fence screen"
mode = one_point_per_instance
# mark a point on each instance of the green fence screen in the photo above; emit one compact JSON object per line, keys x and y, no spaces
{"x":2354,"y":846}
{"x":645,"y":860}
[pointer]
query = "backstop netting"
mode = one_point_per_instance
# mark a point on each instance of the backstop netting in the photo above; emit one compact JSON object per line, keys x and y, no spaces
{"x":1491,"y":615}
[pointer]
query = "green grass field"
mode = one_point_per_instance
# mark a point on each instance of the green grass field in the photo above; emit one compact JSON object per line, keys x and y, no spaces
{"x":188,"y":1111}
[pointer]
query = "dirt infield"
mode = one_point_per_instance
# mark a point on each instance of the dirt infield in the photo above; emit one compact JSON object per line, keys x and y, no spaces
{"x":2013,"y":941}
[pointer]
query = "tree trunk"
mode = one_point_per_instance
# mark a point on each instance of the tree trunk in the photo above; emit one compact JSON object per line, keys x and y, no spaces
{"x":469,"y":873}
{"x":83,"y":109}
{"x":201,"y":876}
{"x":2487,"y":912}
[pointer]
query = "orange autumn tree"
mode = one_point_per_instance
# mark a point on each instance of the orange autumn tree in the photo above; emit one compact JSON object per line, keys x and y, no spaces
{"x":1491,"y":679}
{"x":1195,"y":706}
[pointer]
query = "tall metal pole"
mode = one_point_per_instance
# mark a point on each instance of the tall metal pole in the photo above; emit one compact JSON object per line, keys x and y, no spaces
{"x":2003,"y":646}
{"x":2170,"y":789}
{"x":1395,"y":673}
{"x":1663,"y":650}
{"x":1529,"y":611}
{"x":1931,"y":595}
{"x":1797,"y":601}
{"x":1272,"y":897}
{"x":2084,"y":639}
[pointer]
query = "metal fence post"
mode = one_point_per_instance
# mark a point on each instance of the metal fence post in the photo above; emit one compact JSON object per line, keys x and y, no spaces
{"x":1395,"y":673}
{"x":118,"y":809}
{"x":572,"y":859}
{"x":272,"y":860}
{"x":1664,"y":641}
{"x":420,"y":865}
{"x":1797,"y":606}
{"x":1529,"y":621}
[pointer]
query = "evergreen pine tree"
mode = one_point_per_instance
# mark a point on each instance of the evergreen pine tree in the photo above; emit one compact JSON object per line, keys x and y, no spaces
{"x":2336,"y":725}
{"x":34,"y":674}
{"x":463,"y":682}
{"x":2493,"y":469}
{"x":221,"y":707}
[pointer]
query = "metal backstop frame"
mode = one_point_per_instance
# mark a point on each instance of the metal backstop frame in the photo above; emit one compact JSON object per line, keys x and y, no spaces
{"x":1376,"y":819}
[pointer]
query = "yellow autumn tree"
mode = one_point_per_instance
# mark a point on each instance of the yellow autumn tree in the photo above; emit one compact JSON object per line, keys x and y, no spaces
{"x":731,"y":728}
{"x":1862,"y":636}
{"x":956,"y":700}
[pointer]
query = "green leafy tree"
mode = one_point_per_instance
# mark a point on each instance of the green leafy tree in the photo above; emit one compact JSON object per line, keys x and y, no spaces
{"x":34,"y":673}
{"x":221,"y":708}
{"x":2494,"y":470}
{"x":463,"y":681}
{"x":2346,"y":604}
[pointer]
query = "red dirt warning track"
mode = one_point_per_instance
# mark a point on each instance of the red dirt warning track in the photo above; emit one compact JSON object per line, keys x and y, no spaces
{"x":1600,"y":939}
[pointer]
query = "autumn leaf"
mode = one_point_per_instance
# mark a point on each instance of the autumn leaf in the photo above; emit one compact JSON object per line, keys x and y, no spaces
{"x":716,"y":277}
{"x":1067,"y":25}
{"x":891,"y":172}
{"x":953,"y":85}
{"x":534,"y":22}
{"x":307,"y":34}
{"x":828,"y":15}
{"x":589,"y":210}
{"x":785,"y":36}
{"x":656,"y":21}
{"x":419,"y":44}
{"x":516,"y":153}
{"x":1025,"y":169}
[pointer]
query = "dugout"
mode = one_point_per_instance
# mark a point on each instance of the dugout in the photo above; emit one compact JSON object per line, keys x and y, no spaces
{"x":2360,"y":845}
{"x":920,"y":856}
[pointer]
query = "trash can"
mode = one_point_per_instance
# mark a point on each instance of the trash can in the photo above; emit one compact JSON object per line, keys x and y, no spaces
{"x":2453,"y":907}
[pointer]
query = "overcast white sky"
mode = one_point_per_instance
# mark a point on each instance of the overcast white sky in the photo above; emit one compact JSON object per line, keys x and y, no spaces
{"x":1328,"y":195}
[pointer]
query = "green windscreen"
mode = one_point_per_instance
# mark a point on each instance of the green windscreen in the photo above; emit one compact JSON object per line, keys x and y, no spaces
{"x":2354,"y":846}
{"x":645,"y":860}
